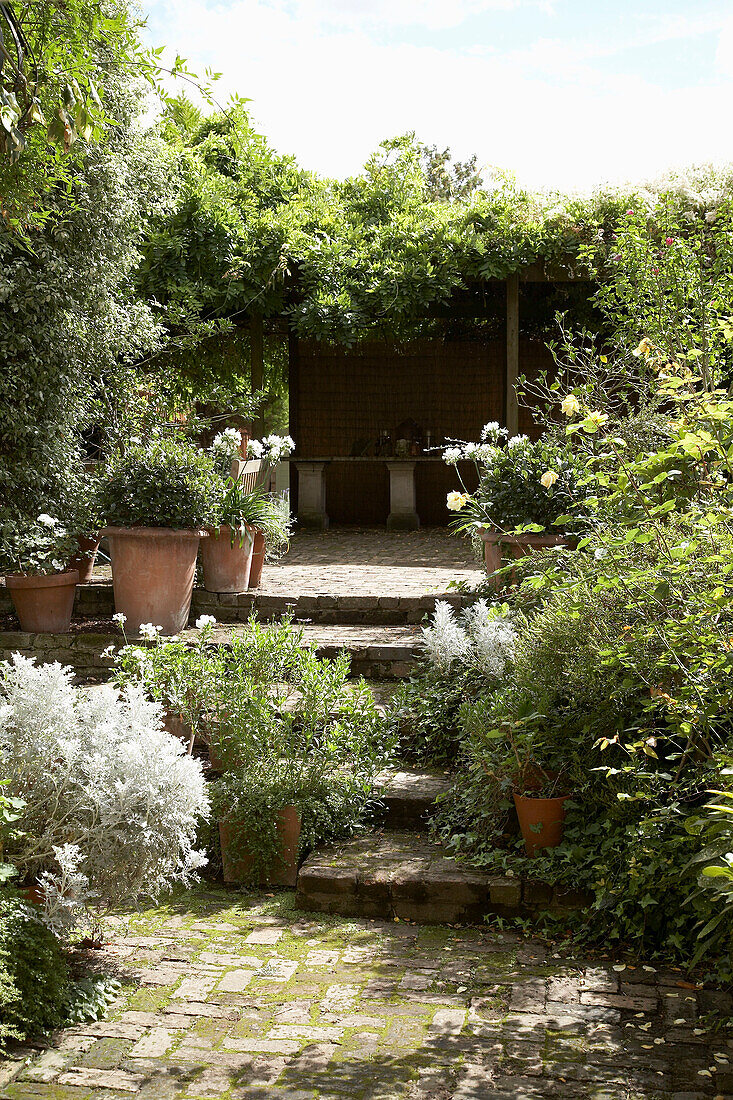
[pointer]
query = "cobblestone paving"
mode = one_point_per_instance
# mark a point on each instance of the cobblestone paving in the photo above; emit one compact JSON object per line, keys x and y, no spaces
{"x":244,"y":997}
{"x":366,"y":561}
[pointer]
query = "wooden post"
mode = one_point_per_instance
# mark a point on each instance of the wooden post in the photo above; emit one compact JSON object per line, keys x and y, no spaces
{"x":257,"y":368}
{"x":512,"y":353}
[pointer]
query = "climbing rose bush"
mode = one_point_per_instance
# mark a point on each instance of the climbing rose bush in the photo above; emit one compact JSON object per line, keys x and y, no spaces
{"x":111,"y":799}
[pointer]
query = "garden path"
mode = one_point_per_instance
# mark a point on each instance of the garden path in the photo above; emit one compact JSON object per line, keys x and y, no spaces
{"x":232,"y":996}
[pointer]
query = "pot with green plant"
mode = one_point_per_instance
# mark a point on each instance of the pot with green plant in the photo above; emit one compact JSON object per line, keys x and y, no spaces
{"x":41,"y":587}
{"x":156,"y":499}
{"x":226,"y":556}
{"x":88,"y":523}
{"x":539,"y":787}
{"x":525,"y":489}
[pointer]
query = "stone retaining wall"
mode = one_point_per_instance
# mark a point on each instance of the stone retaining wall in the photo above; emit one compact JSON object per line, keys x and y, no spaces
{"x":95,"y":601}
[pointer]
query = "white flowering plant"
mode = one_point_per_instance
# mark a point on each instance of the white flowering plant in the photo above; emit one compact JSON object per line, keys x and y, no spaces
{"x":523,"y":484}
{"x":40,"y":548}
{"x":271,"y":449}
{"x":180,"y":674}
{"x":112,"y":805}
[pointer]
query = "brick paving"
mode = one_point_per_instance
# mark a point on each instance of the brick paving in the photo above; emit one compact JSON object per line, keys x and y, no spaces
{"x":366,"y":561}
{"x":239,"y":996}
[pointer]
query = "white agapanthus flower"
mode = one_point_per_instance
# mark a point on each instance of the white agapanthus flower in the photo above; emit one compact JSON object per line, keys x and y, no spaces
{"x":47,"y":521}
{"x":147,"y":630}
{"x":204,"y":621}
{"x":278,"y":447}
{"x":518,"y":441}
{"x":255,"y":448}
{"x":227,"y":443}
{"x":452,"y":455}
{"x":119,"y":617}
{"x":492,"y":433}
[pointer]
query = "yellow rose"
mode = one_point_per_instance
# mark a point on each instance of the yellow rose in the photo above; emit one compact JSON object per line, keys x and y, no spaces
{"x":570,"y":405}
{"x":645,"y":348}
{"x":598,"y":418}
{"x":548,"y":479}
{"x":456,"y":501}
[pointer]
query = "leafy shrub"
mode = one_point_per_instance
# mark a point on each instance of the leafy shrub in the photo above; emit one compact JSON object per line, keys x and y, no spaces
{"x":34,"y":974}
{"x":465,"y":653}
{"x":110,"y":800}
{"x":521,"y":482}
{"x":169,"y":483}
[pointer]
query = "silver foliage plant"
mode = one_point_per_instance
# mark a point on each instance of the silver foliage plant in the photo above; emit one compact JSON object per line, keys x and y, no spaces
{"x":475,"y":637}
{"x":113,"y":804}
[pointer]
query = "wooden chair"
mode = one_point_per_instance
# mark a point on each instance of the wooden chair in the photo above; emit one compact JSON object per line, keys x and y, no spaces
{"x":251,"y":472}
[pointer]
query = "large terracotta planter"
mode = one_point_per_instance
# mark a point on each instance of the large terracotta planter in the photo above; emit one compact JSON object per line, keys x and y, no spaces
{"x":43,"y":604}
{"x":258,"y":560}
{"x":177,"y":727}
{"x":498,"y":547}
{"x":541,"y":821}
{"x":226,"y":567}
{"x":237,"y":862}
{"x":153,"y":570}
{"x":84,"y":561}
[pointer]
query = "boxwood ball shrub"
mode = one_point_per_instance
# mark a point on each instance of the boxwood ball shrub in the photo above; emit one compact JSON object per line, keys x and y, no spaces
{"x":168,"y":483}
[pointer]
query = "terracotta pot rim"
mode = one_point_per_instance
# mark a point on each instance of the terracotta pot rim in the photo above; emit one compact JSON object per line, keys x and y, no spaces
{"x":41,"y":580}
{"x":212,"y":531}
{"x":541,"y":798}
{"x":155,"y":532}
{"x":527,"y":539}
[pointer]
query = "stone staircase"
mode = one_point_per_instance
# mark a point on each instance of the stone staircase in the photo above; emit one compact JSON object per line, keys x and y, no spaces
{"x":398,"y":872}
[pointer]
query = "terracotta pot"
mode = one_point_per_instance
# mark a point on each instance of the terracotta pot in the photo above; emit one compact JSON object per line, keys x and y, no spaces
{"x":548,"y":813}
{"x":518,"y":546}
{"x":153,"y":570}
{"x":238,"y":868}
{"x":226,"y":567}
{"x":258,"y":560}
{"x":43,"y":604}
{"x":174,"y":725}
{"x":84,"y":562}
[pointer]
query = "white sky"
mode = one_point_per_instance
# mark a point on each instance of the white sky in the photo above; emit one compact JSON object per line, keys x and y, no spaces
{"x":564,"y":93}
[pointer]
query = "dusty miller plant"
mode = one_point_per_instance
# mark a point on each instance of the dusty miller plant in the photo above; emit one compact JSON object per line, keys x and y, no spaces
{"x":107,"y":792}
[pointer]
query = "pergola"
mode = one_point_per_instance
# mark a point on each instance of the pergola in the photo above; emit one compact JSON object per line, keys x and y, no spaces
{"x":341,"y":396}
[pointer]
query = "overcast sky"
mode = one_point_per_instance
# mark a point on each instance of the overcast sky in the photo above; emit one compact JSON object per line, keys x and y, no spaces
{"x":564,"y":93}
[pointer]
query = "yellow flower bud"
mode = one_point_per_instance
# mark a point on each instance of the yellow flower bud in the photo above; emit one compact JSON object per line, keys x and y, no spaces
{"x":570,"y":405}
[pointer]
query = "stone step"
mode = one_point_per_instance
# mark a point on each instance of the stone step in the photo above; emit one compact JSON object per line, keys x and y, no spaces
{"x":404,"y":875}
{"x":376,"y":652}
{"x":409,"y":795}
{"x":95,"y":601}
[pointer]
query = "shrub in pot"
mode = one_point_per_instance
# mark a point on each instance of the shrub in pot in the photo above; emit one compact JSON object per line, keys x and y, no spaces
{"x":293,"y":737}
{"x":245,"y":520}
{"x":526,"y":490}
{"x":41,"y":587}
{"x":271,"y":530}
{"x":155,"y":500}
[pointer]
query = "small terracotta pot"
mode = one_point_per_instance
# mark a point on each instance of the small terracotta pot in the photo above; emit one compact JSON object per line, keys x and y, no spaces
{"x":238,"y":868}
{"x":153,"y":570}
{"x":548,"y":813}
{"x":84,"y":562}
{"x":258,"y":560}
{"x":226,"y":567}
{"x":518,"y":546}
{"x":44,"y":604}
